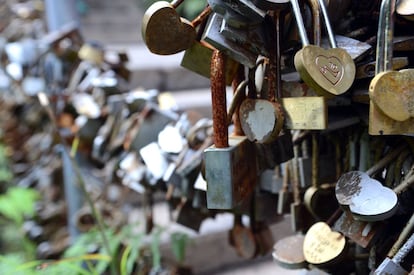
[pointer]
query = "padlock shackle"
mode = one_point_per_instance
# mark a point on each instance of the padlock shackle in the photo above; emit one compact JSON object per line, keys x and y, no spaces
{"x":176,"y":3}
{"x":299,"y":22}
{"x":316,"y":21}
{"x":385,"y":36}
{"x":204,"y":14}
{"x":331,"y":35}
{"x":218,"y":99}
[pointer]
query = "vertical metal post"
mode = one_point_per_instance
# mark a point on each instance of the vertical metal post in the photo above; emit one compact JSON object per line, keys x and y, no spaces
{"x":73,"y":194}
{"x":60,"y":13}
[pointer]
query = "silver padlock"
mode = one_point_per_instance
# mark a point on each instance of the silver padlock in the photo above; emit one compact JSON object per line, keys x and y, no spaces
{"x":236,"y":51}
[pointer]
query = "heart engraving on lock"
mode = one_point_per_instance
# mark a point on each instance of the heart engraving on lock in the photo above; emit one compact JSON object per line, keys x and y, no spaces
{"x":331,"y":68}
{"x":330,"y":72}
{"x":329,"y":63}
{"x":164,"y":31}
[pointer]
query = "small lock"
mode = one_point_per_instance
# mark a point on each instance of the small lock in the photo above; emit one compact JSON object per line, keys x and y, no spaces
{"x":235,"y":50}
{"x":390,"y":92}
{"x":238,"y":14}
{"x":229,"y":170}
{"x":153,"y":121}
{"x":329,"y":72}
{"x":197,"y":58}
{"x":165,"y":32}
{"x":92,"y":52}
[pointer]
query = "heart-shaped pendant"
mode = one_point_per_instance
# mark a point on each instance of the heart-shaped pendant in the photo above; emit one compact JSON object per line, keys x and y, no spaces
{"x":329,"y":72}
{"x":322,"y":245}
{"x":164,"y":31}
{"x":261,"y":119}
{"x":393,"y":93}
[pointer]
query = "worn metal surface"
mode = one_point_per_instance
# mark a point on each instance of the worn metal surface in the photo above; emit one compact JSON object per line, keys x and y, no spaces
{"x":218,"y":99}
{"x":230,"y":176}
{"x":288,"y":252}
{"x":261,"y":119}
{"x":164,"y":31}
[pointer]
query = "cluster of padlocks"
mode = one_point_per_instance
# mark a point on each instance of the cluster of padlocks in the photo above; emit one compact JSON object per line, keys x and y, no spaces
{"x":320,"y":128}
{"x":65,"y":99}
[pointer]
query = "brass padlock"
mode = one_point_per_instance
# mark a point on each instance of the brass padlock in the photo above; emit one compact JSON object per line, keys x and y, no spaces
{"x":165,"y":32}
{"x":329,"y":72}
{"x":391,"y":93}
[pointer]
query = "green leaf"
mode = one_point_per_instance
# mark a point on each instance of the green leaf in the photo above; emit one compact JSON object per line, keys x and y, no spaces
{"x":155,"y":249}
{"x":18,"y":203}
{"x":11,"y":263}
{"x":124,"y":259}
{"x":179,"y":243}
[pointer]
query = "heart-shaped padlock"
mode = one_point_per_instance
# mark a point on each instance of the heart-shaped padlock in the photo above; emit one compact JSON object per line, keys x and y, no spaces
{"x":390,"y":92}
{"x":164,"y":31}
{"x":329,"y":72}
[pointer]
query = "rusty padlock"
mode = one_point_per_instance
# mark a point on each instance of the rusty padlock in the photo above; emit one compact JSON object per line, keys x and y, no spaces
{"x":230,"y":172}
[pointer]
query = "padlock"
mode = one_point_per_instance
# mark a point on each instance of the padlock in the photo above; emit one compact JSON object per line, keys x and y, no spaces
{"x":318,"y":198}
{"x":165,"y":32}
{"x":302,"y":112}
{"x":229,"y":170}
{"x":155,"y":161}
{"x":322,"y":245}
{"x":238,"y":14}
{"x":261,"y":119}
{"x":189,"y":216}
{"x":267,"y":110}
{"x":390,"y":91}
{"x":367,"y":69}
{"x":362,"y":203}
{"x":242,"y":238}
{"x":329,"y":72}
{"x":197,"y":58}
{"x":92,"y":52}
{"x":271,"y":180}
{"x":150,"y":122}
{"x":288,"y":252}
{"x":243,"y":36}
{"x":235,"y":50}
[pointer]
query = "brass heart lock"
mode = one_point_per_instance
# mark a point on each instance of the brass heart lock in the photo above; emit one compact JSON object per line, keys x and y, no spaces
{"x":390,"y":91}
{"x":322,"y":245}
{"x":165,"y":32}
{"x":329,"y":72}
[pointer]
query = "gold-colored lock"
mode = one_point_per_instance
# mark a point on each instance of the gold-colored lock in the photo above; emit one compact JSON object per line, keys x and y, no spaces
{"x":91,"y":52}
{"x":391,"y":94}
{"x":329,"y":72}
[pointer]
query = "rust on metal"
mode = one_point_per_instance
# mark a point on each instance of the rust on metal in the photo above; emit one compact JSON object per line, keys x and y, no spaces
{"x":201,"y":17}
{"x":238,"y":131}
{"x":218,"y":100}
